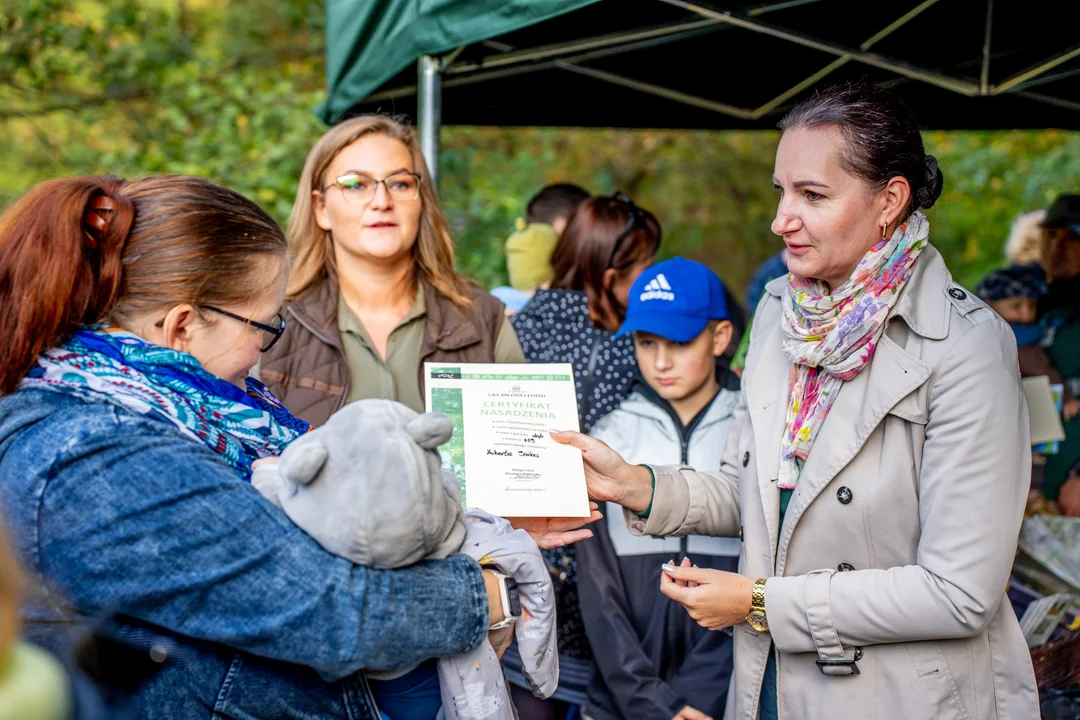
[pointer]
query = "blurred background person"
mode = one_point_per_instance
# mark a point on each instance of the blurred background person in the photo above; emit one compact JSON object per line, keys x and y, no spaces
{"x":1059,"y":312}
{"x":607,"y":244}
{"x":529,"y":248}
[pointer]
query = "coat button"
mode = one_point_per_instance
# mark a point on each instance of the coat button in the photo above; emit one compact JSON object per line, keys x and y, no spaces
{"x":843,"y":495}
{"x":858,"y":654}
{"x":958,"y":294}
{"x":740,"y":533}
{"x":745,"y":459}
{"x":845,"y":567}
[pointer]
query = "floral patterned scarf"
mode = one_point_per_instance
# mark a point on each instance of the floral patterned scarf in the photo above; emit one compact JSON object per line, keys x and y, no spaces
{"x":829,"y":338}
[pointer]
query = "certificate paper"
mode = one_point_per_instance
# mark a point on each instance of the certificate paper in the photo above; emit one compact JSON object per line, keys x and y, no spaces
{"x":1045,"y":416}
{"x":501,"y":451}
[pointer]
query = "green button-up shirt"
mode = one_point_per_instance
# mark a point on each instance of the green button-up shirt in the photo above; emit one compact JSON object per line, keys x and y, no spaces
{"x":395,"y":377}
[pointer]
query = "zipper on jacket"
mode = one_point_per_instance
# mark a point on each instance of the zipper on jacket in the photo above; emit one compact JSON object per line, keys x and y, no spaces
{"x":684,"y":458}
{"x":685,"y":433}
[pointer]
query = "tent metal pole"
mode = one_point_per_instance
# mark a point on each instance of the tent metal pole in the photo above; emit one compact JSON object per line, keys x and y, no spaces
{"x":1043,"y":67}
{"x":627,"y":38}
{"x":545,"y":52}
{"x":663,"y":92}
{"x":956,"y":85}
{"x":450,"y":81}
{"x":1057,"y":102}
{"x":984,"y":77}
{"x":841,"y":61}
{"x":1044,"y":79}
{"x":429,"y":110}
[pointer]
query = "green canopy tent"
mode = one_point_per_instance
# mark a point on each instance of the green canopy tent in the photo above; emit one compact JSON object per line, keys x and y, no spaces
{"x":961,"y":64}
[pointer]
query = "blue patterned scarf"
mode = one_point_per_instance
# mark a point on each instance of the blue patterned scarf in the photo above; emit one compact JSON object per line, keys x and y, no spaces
{"x":171,"y":386}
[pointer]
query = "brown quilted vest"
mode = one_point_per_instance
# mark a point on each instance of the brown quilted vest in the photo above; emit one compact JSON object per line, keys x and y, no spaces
{"x":307,"y":370}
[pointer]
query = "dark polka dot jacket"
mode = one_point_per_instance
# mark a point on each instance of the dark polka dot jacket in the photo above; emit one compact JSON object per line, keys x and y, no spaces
{"x":555,"y":328}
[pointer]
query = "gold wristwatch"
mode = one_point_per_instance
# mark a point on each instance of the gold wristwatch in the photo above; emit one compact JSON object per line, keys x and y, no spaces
{"x":756,"y":618}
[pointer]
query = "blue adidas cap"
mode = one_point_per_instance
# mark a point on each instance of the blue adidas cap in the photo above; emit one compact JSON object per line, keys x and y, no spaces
{"x":675,"y":299}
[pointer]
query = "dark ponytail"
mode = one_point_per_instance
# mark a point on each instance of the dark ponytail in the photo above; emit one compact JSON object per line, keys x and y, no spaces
{"x":59,"y":269}
{"x":881,"y":136}
{"x":82,"y":250}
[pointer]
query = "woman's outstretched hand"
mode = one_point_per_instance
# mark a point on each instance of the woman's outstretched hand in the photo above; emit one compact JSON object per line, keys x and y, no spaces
{"x":550,"y":533}
{"x":608,"y":476}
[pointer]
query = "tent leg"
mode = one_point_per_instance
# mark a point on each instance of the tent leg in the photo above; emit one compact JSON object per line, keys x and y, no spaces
{"x":429,"y":106}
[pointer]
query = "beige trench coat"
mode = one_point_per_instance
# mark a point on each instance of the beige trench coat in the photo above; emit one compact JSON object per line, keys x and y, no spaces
{"x":929,"y":447}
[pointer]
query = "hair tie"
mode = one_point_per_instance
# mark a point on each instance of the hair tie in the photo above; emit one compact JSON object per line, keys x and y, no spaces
{"x":927,"y":195}
{"x":930,"y":163}
{"x":96,"y":219}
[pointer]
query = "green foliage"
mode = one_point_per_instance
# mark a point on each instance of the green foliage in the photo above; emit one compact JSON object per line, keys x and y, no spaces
{"x":130,"y":88}
{"x":990,"y":178}
{"x":226,"y":90}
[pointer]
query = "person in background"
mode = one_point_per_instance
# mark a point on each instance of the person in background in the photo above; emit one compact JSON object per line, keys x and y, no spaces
{"x":528,"y":250}
{"x":1013,"y":293}
{"x":1024,"y":246}
{"x":774,"y":267}
{"x":654,"y":661}
{"x":1059,"y":312}
{"x":373,"y":294}
{"x":607,"y":244}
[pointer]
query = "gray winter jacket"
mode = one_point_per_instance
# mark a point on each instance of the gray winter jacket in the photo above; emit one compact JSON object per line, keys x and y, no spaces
{"x":653,"y":659}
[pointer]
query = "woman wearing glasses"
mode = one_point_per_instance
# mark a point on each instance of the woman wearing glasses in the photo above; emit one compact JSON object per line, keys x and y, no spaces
{"x":373,"y":294}
{"x":607,"y":243}
{"x":128,"y":431}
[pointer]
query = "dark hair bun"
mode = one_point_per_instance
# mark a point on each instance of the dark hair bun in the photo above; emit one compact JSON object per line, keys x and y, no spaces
{"x":927,"y":195}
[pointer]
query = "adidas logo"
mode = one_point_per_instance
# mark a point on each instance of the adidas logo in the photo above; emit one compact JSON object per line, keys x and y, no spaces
{"x":658,"y":289}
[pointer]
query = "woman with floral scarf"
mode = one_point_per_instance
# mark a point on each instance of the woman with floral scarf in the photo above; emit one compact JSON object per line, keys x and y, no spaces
{"x":879,"y":461}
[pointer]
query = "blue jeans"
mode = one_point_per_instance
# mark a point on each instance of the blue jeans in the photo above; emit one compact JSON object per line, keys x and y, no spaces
{"x":413,"y":696}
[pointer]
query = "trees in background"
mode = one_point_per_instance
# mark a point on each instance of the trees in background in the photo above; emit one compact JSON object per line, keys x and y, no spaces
{"x":225,"y":89}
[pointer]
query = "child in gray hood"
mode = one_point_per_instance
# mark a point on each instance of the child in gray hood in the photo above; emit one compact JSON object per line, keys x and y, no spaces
{"x":368,"y":486}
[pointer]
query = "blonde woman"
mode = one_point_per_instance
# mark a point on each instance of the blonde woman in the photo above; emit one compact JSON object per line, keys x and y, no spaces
{"x":373,"y":294}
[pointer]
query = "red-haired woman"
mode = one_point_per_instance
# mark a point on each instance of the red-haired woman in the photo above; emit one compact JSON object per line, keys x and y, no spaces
{"x":128,"y":429}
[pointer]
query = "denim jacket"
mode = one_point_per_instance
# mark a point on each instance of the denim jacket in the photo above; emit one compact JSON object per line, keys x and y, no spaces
{"x":121,"y":515}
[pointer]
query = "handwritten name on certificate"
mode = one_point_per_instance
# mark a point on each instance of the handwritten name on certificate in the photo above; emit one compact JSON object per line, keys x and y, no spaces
{"x":501,"y":450}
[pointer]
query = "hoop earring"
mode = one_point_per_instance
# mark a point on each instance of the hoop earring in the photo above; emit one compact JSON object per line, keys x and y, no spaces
{"x":884,"y":230}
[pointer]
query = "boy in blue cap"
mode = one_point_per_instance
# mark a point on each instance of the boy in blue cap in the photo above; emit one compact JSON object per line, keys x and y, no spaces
{"x":654,"y":661}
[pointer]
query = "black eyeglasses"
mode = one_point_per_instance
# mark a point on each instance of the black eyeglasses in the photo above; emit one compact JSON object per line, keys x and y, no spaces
{"x":636,"y":220}
{"x":274,"y":333}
